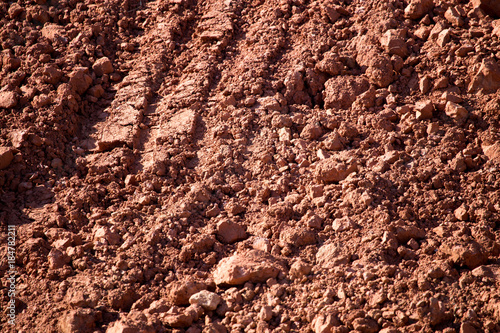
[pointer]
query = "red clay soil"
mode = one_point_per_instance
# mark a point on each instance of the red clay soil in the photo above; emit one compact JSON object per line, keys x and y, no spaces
{"x":251,"y":166}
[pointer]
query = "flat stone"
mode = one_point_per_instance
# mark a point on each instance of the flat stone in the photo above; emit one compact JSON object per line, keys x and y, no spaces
{"x":254,"y":266}
{"x":182,"y":123}
{"x":489,"y":271}
{"x":120,"y":128}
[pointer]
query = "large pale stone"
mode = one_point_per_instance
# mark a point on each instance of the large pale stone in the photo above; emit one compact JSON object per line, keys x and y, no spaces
{"x":253,"y":265}
{"x":207,"y":299}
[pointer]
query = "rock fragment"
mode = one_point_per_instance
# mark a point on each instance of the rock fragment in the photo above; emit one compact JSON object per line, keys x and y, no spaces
{"x":340,"y":92}
{"x":469,"y":254}
{"x":181,"y":291}
{"x":487,"y":78}
{"x":491,"y":151}
{"x":424,"y":110}
{"x":330,"y":64}
{"x":418,"y":8}
{"x":8,"y":99}
{"x":454,"y":16}
{"x":79,"y":80}
{"x":104,"y":234}
{"x":490,"y":7}
{"x":6,"y":157}
{"x":455,"y":111}
{"x":393,"y":41}
{"x":343,"y":224}
{"x":443,"y":37}
{"x":77,"y":321}
{"x":297,"y":236}
{"x":179,"y":318}
{"x":334,"y":170}
{"x":102,"y":66}
{"x":311,"y":131}
{"x":253,"y":266}
{"x":229,"y":232}
{"x":206,"y":299}
{"x":300,"y":269}
{"x":325,"y":323}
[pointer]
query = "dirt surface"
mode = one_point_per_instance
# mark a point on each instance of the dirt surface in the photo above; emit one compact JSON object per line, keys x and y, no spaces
{"x":251,"y":166}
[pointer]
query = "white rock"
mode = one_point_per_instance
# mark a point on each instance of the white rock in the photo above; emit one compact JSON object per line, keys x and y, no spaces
{"x":207,"y":299}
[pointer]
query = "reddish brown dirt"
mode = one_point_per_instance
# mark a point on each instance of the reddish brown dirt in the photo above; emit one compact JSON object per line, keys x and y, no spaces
{"x":251,"y":166}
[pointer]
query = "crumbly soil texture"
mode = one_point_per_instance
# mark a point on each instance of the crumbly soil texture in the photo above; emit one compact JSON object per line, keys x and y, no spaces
{"x":214,"y":166}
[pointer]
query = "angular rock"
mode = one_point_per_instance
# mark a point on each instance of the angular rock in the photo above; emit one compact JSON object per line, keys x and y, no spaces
{"x":488,"y":271}
{"x":229,"y":232}
{"x":330,"y":64}
{"x":424,"y":110}
{"x":206,"y":299}
{"x":77,"y":321}
{"x":343,"y":224}
{"x":455,"y":111}
{"x":57,"y":259}
{"x":253,"y":266}
{"x":365,"y":325}
{"x":79,"y":80}
{"x":311,"y":131}
{"x":102,"y":66}
{"x":334,"y":170}
{"x":300,"y":269}
{"x":490,"y":7}
{"x":52,"y":74}
{"x":122,"y":299}
{"x":443,"y":37}
{"x":8,"y":99}
{"x":487,"y":78}
{"x":105,"y":234}
{"x":182,"y":123}
{"x":340,"y":92}
{"x":418,"y":8}
{"x":122,"y":327}
{"x":393,"y":41}
{"x":6,"y":157}
{"x":491,"y":151}
{"x":54,"y":33}
{"x":454,"y":16}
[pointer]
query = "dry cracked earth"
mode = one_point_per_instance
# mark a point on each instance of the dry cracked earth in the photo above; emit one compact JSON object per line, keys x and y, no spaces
{"x":214,"y":166}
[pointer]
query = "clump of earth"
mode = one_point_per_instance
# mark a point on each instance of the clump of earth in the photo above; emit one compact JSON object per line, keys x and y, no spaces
{"x":254,"y":166}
